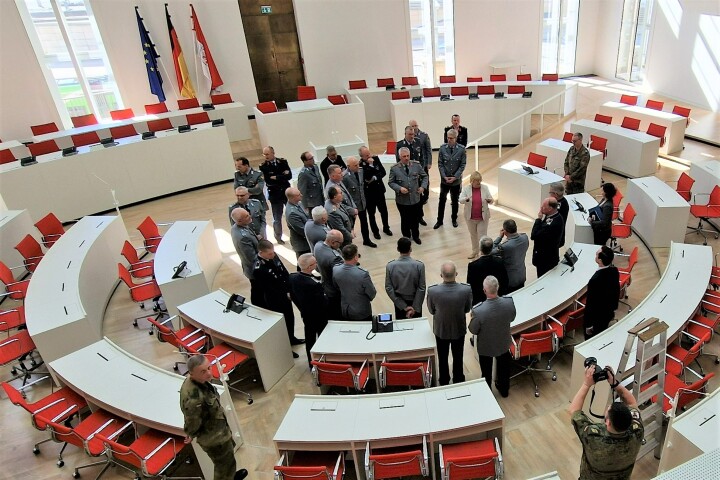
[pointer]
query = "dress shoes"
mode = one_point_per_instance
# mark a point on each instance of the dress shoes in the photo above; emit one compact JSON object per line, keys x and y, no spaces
{"x":370,"y":244}
{"x":455,"y":224}
{"x":280,"y":241}
{"x":417,"y":240}
{"x":387,"y":232}
{"x":504,"y":394}
{"x":240,"y":474}
{"x":437,"y":225}
{"x":376,"y":235}
{"x":422,"y":222}
{"x":297,"y":341}
{"x":295,"y":355}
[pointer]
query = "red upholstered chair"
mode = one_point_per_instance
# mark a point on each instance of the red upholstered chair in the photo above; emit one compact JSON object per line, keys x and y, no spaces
{"x":486,"y":90}
{"x":357,"y":84}
{"x":159,"y":125}
{"x":469,"y":460}
{"x":306,"y":92}
{"x":498,"y":78}
{"x":514,"y":89}
{"x":385,"y":82}
{"x":6,"y":156}
{"x":267,"y":107}
{"x":474,"y":79}
{"x":550,"y":77}
{"x":43,"y":148}
{"x":657,"y":131}
{"x":188,"y":103}
{"x":406,"y":374}
{"x":629,"y":99}
{"x":46,"y":128}
{"x":349,"y":375}
{"x":220,"y":99}
{"x":524,"y":77}
{"x":141,"y":292}
{"x":534,"y":344}
{"x":138,"y":268}
{"x":19,"y":348}
{"x":617,"y":199}
{"x":678,"y":358}
{"x":390,"y":147}
{"x":431,"y":92}
{"x":622,"y":229}
{"x":15,"y":290}
{"x":186,"y":340}
{"x":626,"y":276}
{"x":409,"y":81}
{"x":654,"y":104}
{"x":679,"y":394}
{"x":603,"y":118}
{"x":400,"y":95}
{"x":684,"y":186}
{"x":683,"y":111}
{"x":447,"y":79}
{"x":705,"y":212}
{"x":150,"y":233}
{"x":87,"y":138}
{"x":223,"y":359}
{"x":537,"y":160}
{"x":455,"y":91}
{"x":155,"y":108}
{"x":31,"y":251}
{"x":51,"y":229}
{"x":396,"y":462}
{"x":599,"y":144}
{"x":122,"y":114}
{"x":311,"y":465}
{"x":567,"y":321}
{"x":84,"y":120}
{"x":710,"y":303}
{"x":567,"y":137}
{"x":197,"y":118}
{"x":631,"y":123}
{"x":123,"y":131}
{"x":338,"y":99}
{"x":12,"y":318}
{"x":696,"y":329}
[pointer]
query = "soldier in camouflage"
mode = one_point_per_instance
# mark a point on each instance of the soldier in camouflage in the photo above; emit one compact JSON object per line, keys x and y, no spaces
{"x":609,"y":448}
{"x":205,"y":420}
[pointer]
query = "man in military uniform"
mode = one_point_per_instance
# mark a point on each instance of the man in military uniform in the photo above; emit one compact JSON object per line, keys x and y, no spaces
{"x":354,"y":181}
{"x":272,"y":278}
{"x":411,"y":143}
{"x":609,"y":448}
{"x":462,"y":133}
{"x":205,"y":420}
{"x":355,"y":285}
{"x":338,"y":217}
{"x":253,"y":207}
{"x":327,"y":256}
{"x":246,"y":246}
{"x":409,"y":181}
{"x":546,"y":235}
{"x":451,"y":164}
{"x":336,"y":180}
{"x":373,"y":172}
{"x":317,"y":228}
{"x":405,"y":282}
{"x":277,"y":175}
{"x":426,"y":157}
{"x":296,"y":218}
{"x":245,"y":176}
{"x":576,"y":163}
{"x":310,"y":183}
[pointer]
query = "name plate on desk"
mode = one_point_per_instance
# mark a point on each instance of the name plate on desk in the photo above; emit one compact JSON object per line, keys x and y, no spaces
{"x":457,"y":393}
{"x":323,"y":406}
{"x":391,"y":403}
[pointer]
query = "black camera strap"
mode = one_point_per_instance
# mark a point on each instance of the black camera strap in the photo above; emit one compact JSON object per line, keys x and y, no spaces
{"x":592,"y":398}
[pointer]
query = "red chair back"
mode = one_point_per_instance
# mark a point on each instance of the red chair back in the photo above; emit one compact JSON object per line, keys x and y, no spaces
{"x":486,"y":90}
{"x":631,"y":123}
{"x":629,"y":214}
{"x":537,"y":160}
{"x":400,"y":95}
{"x":536,"y":342}
{"x":119,"y":451}
{"x":474,"y":79}
{"x":390,"y":147}
{"x":516,"y":89}
{"x":409,"y":81}
{"x":123,"y":131}
{"x":337,"y":99}
{"x":357,"y":84}
{"x":654,"y":104}
{"x":187,"y":103}
{"x":221,"y":99}
{"x":155,"y":108}
{"x":165,"y":333}
{"x":632,"y":260}
{"x":628,"y":99}
{"x":306,"y":92}
{"x":550,"y":77}
{"x":469,"y":460}
{"x":122,"y":114}
{"x":455,"y":91}
{"x":197,"y":118}
{"x":684,"y":186}
{"x":603,"y":118}
{"x":692,"y":392}
{"x":431,"y":92}
{"x":31,"y":252}
{"x":384,"y":82}
{"x":657,"y":131}
{"x":311,"y":465}
{"x":129,"y":252}
{"x":84,"y":120}
{"x":159,"y":125}
{"x":616,"y":204}
{"x":50,"y":128}
{"x":598,"y":143}
{"x":43,"y":148}
{"x":6,"y":156}
{"x":524,"y":77}
{"x":124,"y":275}
{"x":151,"y":234}
{"x":267,"y":107}
{"x":87,"y":138}
{"x":567,"y":137}
{"x":683,"y":111}
{"x":406,"y":374}
{"x":16,"y":290}
{"x":498,"y":78}
{"x":51,"y":229}
{"x":337,"y":374}
{"x":397,"y":464}
{"x":447,"y":78}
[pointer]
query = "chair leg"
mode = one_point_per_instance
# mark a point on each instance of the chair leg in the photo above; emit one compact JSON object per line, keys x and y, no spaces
{"x":702,"y":231}
{"x":529,"y":369}
{"x":76,"y":473}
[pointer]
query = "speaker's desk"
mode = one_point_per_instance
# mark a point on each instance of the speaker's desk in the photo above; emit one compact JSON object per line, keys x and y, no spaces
{"x":72,"y":286}
{"x":347,"y":341}
{"x":522,"y":191}
{"x":14,"y":225}
{"x":629,"y":152}
{"x":675,"y":124}
{"x":466,"y":411}
{"x":577,"y":228}
{"x":260,"y":332}
{"x":662,"y":214}
{"x":556,"y":150}
{"x":194,"y":243}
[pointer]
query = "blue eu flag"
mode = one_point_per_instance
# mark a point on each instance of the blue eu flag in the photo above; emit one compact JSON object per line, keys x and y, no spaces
{"x":151,"y":57}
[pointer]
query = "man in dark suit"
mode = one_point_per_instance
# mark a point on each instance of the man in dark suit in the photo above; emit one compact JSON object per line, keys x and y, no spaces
{"x":277,"y":175}
{"x":603,"y":293}
{"x":546,"y":235}
{"x":373,"y":173}
{"x":306,"y":291}
{"x":354,"y":181}
{"x":483,"y":267}
{"x":557,"y":191}
{"x":332,"y":158}
{"x":462,"y":133}
{"x":451,"y":163}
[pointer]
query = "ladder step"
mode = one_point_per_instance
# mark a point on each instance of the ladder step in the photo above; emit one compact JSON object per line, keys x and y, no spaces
{"x":648,"y":393}
{"x":652,"y":351}
{"x":650,"y":373}
{"x":651,"y":413}
{"x":649,"y":446}
{"x":651,"y":428}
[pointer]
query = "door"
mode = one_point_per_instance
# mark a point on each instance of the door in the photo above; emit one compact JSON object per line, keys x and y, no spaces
{"x":274,"y":49}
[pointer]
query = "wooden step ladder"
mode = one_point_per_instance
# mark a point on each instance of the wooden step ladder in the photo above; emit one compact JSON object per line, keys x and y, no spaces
{"x":649,"y":366}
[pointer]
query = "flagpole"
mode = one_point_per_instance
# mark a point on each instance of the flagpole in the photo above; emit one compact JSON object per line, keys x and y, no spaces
{"x":162,"y":64}
{"x":195,"y":53}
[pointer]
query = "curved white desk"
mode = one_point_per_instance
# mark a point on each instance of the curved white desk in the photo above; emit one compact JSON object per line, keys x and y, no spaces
{"x":706,"y":174}
{"x":522,"y":191}
{"x":194,"y":243}
{"x":72,"y":286}
{"x":675,"y":124}
{"x":662,"y":214}
{"x":14,"y":225}
{"x":578,"y":228}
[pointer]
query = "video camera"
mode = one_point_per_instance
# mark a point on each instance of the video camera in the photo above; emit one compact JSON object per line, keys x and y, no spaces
{"x":600,"y":373}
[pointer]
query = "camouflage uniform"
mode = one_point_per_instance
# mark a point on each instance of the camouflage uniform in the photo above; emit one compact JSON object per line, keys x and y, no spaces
{"x":576,"y":163}
{"x":607,"y":456}
{"x":206,"y":422}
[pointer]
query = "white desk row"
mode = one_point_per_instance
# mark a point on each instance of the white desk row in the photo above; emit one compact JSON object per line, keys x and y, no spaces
{"x":674,"y":300}
{"x":135,"y":170}
{"x":707,"y":175}
{"x":556,"y":150}
{"x":466,"y":411}
{"x":376,"y":100}
{"x":14,"y":225}
{"x":522,"y":191}
{"x":629,"y":152}
{"x":675,"y":124}
{"x":662,"y":214}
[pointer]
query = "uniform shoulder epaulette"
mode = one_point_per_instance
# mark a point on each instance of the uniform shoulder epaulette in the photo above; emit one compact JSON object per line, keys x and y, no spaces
{"x":592,"y":430}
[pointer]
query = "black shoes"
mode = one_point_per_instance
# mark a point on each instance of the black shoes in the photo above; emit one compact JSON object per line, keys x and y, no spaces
{"x":376,"y":235}
{"x":240,"y":474}
{"x":297,"y":341}
{"x":370,"y":244}
{"x":417,"y":240}
{"x":280,"y":241}
{"x":295,"y":355}
{"x":455,"y":224}
{"x":422,"y":222}
{"x":437,"y":225}
{"x":387,"y":232}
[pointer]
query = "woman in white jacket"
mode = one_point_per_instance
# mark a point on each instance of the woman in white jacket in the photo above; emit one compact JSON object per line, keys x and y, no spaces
{"x":476,"y":198}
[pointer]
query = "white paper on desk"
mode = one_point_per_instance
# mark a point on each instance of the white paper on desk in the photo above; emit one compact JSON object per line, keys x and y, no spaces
{"x":391,"y":402}
{"x":457,"y":393}
{"x":323,"y":406}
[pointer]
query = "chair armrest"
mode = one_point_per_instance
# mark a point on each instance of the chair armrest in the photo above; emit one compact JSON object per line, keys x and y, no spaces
{"x":100,"y":429}
{"x":168,"y":320}
{"x":693,"y":372}
{"x":142,"y":284}
{"x":673,"y":358}
{"x":31,"y":258}
{"x":15,"y":268}
{"x":5,"y":312}
{"x":49,"y":235}
{"x":51,"y":404}
{"x":550,"y":317}
{"x":60,"y":415}
{"x":691,"y":336}
{"x":191,"y":333}
{"x":700,"y":194}
{"x":8,"y":342}
{"x":425,"y":456}
{"x":197,"y":340}
{"x":368,"y":475}
{"x":517,"y":350}
{"x":120,"y":430}
{"x":30,"y":384}
{"x":159,"y":447}
{"x":164,"y":224}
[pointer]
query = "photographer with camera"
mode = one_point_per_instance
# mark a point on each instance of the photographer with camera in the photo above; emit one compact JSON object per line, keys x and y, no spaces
{"x":609,"y":448}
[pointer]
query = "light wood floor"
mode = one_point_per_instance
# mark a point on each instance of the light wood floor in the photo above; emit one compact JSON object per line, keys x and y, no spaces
{"x":538,"y":435}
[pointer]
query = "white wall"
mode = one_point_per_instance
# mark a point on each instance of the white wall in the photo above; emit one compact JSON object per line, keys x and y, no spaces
{"x":353,"y":40}
{"x":586,"y":37}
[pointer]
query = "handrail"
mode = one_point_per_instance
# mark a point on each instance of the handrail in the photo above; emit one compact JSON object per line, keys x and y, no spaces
{"x":475,"y":143}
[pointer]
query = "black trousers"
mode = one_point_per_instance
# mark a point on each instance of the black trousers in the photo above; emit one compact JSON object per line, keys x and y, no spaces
{"x":400,"y":314}
{"x":376,"y":201}
{"x":516,"y":287}
{"x":313,"y":327}
{"x":334,"y":311}
{"x":257,"y":297}
{"x":543,"y":268}
{"x":598,"y":324}
{"x":284,"y":306}
{"x":426,"y":194}
{"x":502,"y":364}
{"x":454,"y":196}
{"x":410,"y":219}
{"x":443,"y":348}
{"x":364,"y":231}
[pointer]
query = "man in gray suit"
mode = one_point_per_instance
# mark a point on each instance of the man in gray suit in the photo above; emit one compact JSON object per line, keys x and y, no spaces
{"x":449,"y":302}
{"x":317,"y":228}
{"x":405,"y":282}
{"x":246,"y":176}
{"x":426,"y":156}
{"x":336,"y":180}
{"x":327,"y":256}
{"x":512,"y":251}
{"x":253,"y":207}
{"x":338,"y":217}
{"x":296,"y":218}
{"x":246,"y":246}
{"x":310,"y":183}
{"x":355,"y":285}
{"x":451,"y":163}
{"x":490,"y":321}
{"x":354,"y":181}
{"x":409,"y":181}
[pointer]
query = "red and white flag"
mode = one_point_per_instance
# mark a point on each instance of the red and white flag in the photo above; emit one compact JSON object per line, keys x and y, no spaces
{"x":203,"y":51}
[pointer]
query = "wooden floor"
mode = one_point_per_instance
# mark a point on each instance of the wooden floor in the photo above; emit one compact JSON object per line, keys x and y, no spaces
{"x":538,"y":435}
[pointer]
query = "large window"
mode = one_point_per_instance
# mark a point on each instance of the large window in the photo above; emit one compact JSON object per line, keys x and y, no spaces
{"x":634,"y":40}
{"x":559,"y":36}
{"x":70,"y":51}
{"x":432,"y":30}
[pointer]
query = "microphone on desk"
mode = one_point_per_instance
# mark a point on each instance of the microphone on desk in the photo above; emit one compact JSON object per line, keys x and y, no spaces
{"x":579,"y":206}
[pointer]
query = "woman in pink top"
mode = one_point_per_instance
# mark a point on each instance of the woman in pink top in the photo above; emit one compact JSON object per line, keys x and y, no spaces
{"x":476,"y":198}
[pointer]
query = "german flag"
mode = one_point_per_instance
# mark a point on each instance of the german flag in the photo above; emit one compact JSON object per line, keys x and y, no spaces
{"x":181,"y":72}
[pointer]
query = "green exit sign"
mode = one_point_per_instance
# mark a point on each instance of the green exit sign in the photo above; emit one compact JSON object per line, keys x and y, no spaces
{"x":265,"y":9}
